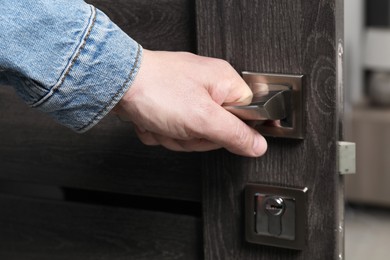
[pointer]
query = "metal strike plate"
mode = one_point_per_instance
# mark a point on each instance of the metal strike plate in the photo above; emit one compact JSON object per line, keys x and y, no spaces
{"x":292,"y":125}
{"x":275,"y":216}
{"x":346,"y":157}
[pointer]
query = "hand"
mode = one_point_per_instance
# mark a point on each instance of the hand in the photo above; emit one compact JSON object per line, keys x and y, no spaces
{"x":176,"y":99}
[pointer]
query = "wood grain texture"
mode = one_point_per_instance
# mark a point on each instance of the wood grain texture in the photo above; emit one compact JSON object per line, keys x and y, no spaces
{"x":109,"y":157}
{"x":292,"y":37}
{"x":33,"y":229}
{"x":155,"y":24}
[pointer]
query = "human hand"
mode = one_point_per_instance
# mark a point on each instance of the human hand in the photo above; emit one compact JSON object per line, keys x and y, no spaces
{"x":176,"y":101}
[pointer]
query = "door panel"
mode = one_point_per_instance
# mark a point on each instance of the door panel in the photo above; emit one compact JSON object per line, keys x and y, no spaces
{"x":286,"y":37}
{"x":35,"y":229}
{"x":155,"y":24}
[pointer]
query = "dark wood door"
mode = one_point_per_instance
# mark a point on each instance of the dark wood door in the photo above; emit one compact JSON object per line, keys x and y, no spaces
{"x":285,"y":37}
{"x":103,"y":195}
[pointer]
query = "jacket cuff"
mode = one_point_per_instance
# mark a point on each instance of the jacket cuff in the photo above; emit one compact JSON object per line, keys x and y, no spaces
{"x":100,"y":72}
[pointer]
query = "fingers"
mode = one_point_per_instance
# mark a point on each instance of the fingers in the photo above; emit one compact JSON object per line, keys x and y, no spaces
{"x":221,"y":126}
{"x":225,"y":131}
{"x":193,"y":145}
{"x":230,"y":132}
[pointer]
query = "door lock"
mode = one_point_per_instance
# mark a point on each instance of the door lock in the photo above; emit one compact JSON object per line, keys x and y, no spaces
{"x":275,"y":216}
{"x":277,"y":105}
{"x":274,"y":207}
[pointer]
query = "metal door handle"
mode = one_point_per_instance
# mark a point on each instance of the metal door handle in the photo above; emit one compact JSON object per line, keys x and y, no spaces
{"x":268,"y":105}
{"x":278,"y":98}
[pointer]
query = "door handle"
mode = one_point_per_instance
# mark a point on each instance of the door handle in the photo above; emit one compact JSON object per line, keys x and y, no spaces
{"x":266,"y":105}
{"x":276,"y":97}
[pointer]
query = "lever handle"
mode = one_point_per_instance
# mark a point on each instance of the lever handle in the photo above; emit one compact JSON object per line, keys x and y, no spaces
{"x":270,"y":105}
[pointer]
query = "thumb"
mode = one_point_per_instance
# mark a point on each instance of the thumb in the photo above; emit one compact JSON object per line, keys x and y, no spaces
{"x":239,"y":94}
{"x":226,"y":86}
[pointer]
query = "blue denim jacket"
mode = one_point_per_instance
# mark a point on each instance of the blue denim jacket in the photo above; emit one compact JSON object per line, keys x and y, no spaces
{"x":66,"y":58}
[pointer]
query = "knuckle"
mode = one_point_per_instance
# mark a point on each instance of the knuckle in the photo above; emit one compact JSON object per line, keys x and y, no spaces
{"x":227,"y":72}
{"x":217,"y":63}
{"x":222,"y":63}
{"x":187,"y":55}
{"x":224,"y":67}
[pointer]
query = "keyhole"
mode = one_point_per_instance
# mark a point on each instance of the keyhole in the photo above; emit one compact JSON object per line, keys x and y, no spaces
{"x":274,"y":207}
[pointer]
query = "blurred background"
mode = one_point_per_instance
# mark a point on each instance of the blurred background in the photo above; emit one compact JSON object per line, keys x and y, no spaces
{"x":367,"y":96}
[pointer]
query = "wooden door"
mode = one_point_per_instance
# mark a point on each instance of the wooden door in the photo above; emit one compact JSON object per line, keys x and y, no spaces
{"x":103,"y":195}
{"x":285,"y":37}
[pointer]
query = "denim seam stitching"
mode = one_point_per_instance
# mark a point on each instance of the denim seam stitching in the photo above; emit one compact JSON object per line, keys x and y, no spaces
{"x":59,"y":84}
{"x":117,"y":93}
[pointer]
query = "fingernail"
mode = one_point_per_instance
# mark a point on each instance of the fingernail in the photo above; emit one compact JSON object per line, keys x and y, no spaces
{"x":259,"y":145}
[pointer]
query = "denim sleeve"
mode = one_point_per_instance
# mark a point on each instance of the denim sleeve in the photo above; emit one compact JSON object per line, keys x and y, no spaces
{"x":66,"y":58}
